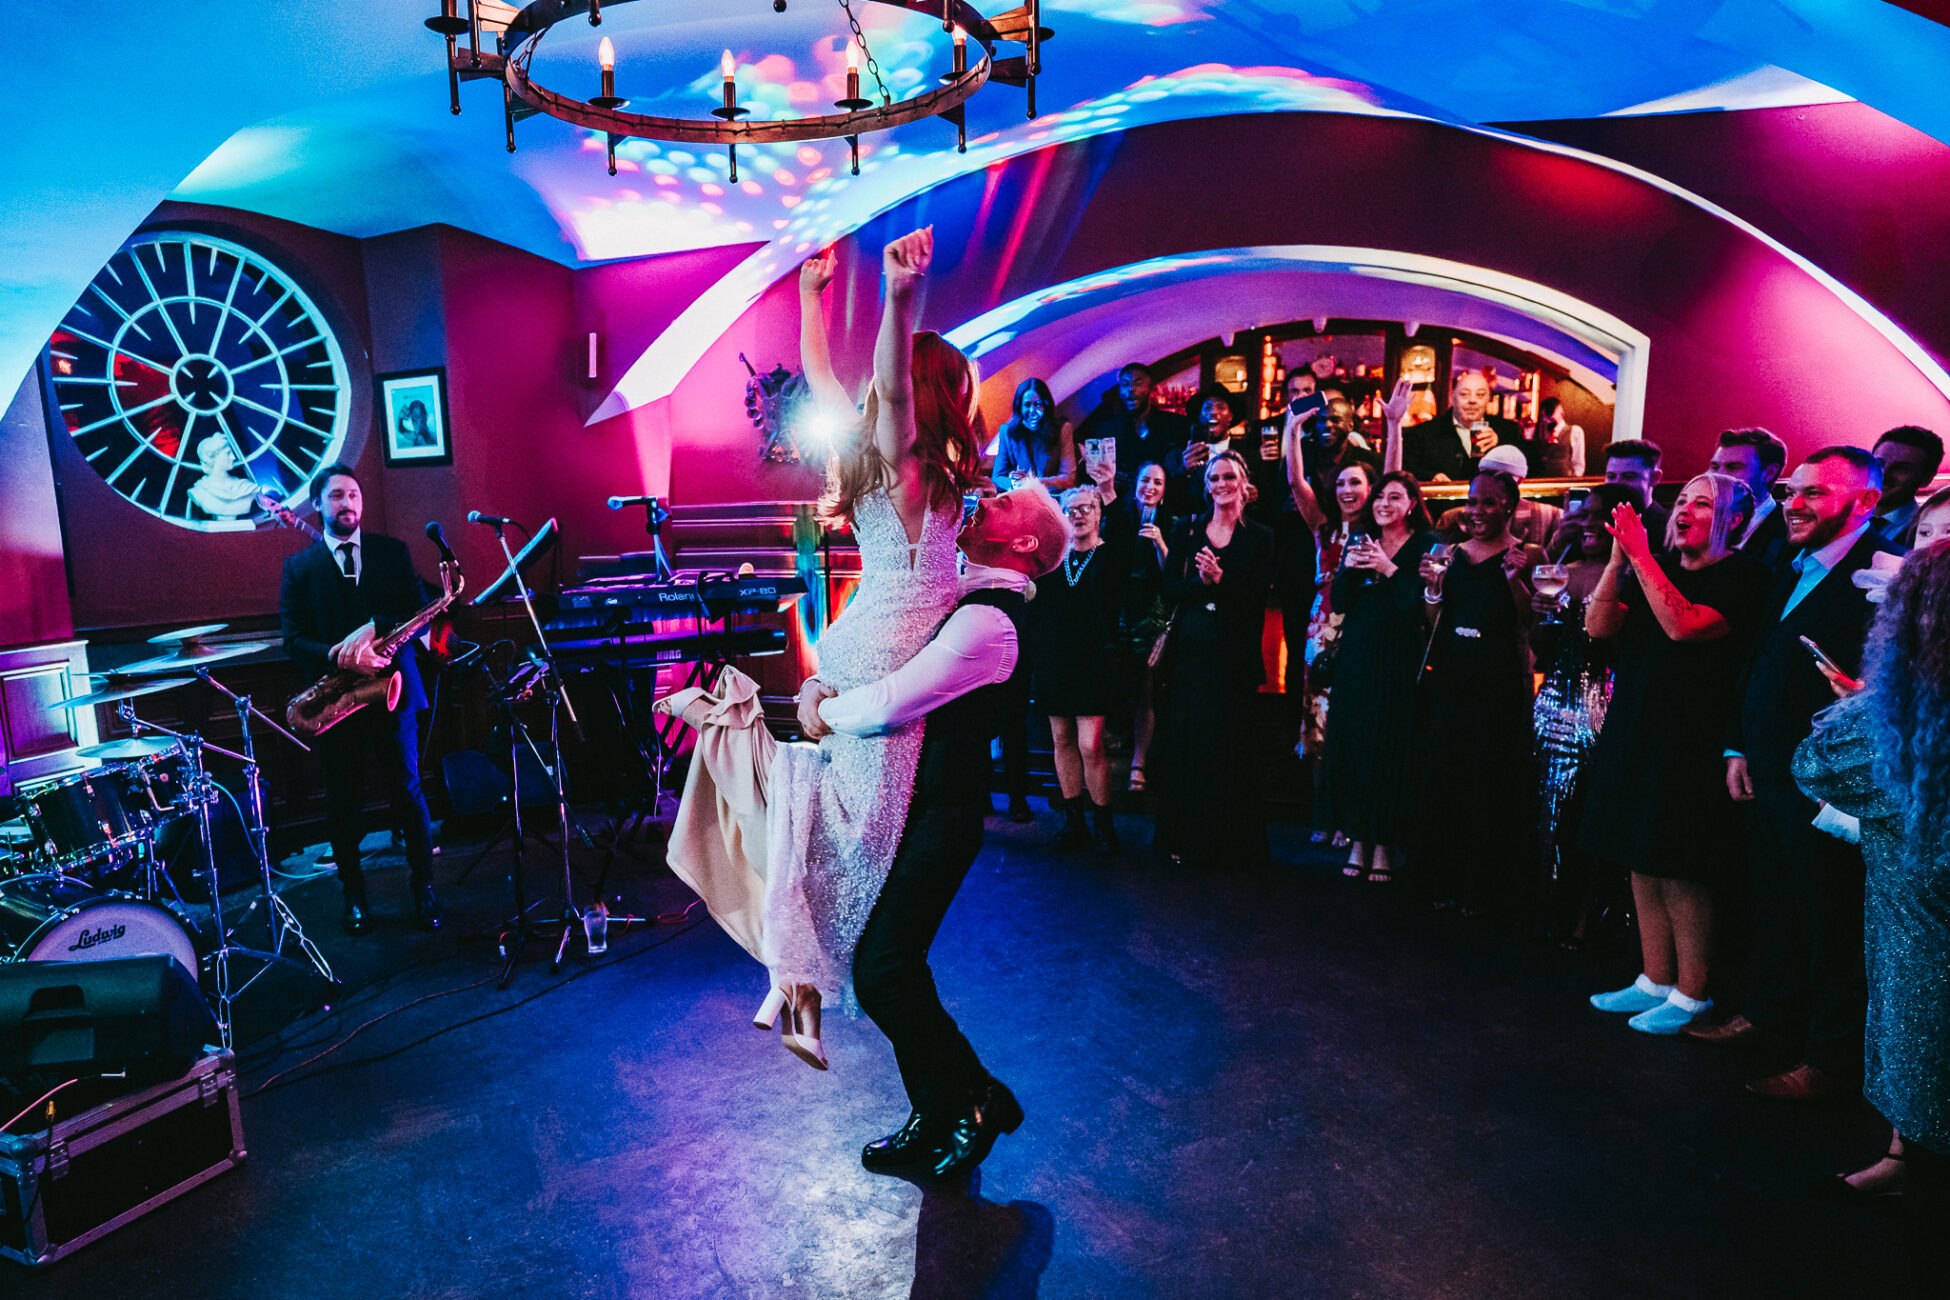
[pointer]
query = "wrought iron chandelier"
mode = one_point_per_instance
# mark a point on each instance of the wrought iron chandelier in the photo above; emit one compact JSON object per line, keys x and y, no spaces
{"x":517,"y":33}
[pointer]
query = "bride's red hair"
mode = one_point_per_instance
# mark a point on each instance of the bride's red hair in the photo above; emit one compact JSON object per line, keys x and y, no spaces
{"x":949,"y":433}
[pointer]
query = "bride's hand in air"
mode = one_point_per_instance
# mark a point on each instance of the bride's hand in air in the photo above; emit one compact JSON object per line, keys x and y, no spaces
{"x":816,"y":272}
{"x":811,"y":725}
{"x":907,"y":259}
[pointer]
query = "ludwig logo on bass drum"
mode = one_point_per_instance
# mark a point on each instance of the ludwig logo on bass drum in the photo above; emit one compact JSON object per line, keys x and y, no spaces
{"x":94,"y":938}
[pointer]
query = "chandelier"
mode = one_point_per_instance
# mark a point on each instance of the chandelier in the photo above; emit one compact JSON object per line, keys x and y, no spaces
{"x":517,"y":33}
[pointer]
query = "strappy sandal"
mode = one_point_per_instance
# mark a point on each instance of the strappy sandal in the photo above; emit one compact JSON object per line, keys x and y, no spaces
{"x":1136,"y":784}
{"x":1380,"y":875}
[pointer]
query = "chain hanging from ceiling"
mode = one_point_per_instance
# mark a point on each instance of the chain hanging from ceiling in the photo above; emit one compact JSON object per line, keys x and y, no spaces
{"x":517,"y":33}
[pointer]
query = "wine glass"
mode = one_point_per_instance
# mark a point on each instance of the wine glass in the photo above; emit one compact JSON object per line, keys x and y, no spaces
{"x":1438,"y":559}
{"x":1551,"y":580}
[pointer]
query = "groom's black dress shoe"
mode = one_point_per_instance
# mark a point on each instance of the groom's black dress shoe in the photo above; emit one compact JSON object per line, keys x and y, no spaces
{"x":972,"y":1135}
{"x":917,"y":1142}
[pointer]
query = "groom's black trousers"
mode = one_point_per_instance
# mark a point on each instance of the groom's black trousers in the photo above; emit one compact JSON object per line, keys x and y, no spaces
{"x":890,"y":966}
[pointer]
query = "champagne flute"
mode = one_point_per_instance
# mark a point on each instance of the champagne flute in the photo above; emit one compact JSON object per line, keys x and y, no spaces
{"x":1438,"y":559}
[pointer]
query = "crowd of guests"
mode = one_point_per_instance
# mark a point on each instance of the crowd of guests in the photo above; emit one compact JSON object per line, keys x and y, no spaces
{"x":1726,"y":715}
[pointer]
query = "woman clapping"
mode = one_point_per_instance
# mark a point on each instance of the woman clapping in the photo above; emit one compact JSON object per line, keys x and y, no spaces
{"x":1657,"y":801}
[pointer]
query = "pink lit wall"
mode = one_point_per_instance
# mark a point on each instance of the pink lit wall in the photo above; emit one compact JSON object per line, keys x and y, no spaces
{"x":1739,"y":334}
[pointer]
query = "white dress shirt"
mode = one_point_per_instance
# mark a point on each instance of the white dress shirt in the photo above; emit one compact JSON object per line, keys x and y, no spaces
{"x":975,"y":647}
{"x":357,"y":543}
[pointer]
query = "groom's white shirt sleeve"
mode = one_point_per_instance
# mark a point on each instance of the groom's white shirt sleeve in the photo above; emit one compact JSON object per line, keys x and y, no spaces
{"x":975,"y":647}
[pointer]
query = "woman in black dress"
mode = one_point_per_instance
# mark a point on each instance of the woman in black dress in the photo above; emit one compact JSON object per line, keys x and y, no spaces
{"x":1207,"y":762}
{"x":1478,"y":790}
{"x":1657,"y":802}
{"x":1138,"y":524}
{"x":1073,"y":631}
{"x":1368,"y":767}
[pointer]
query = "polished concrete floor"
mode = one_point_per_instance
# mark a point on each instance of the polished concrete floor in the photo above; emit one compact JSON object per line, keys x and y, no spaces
{"x":1276,"y":1084}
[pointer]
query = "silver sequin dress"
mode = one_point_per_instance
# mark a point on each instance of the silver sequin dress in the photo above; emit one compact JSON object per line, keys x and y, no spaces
{"x":1906,"y":1073}
{"x":837,"y":808}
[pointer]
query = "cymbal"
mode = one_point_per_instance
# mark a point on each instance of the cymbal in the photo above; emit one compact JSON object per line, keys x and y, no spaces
{"x":194,"y":654}
{"x":129,"y":747}
{"x":110,"y":694}
{"x":186,"y":634}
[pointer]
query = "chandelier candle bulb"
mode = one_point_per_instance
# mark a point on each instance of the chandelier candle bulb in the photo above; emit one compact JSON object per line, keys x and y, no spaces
{"x":961,"y":51}
{"x":852,"y":69}
{"x":606,"y":57}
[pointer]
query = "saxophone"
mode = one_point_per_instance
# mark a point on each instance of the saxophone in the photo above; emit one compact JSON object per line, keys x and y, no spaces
{"x":344,"y":691}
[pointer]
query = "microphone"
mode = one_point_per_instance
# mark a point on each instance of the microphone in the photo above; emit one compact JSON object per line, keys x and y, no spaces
{"x":439,"y":539}
{"x":493,"y":521}
{"x":617,"y":503}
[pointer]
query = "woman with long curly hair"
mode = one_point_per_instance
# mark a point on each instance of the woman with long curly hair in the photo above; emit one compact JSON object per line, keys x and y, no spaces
{"x":1034,"y":442}
{"x":833,"y":811}
{"x":1882,"y":758}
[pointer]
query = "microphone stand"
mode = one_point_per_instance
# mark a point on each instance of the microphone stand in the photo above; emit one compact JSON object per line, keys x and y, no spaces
{"x":553,"y":685}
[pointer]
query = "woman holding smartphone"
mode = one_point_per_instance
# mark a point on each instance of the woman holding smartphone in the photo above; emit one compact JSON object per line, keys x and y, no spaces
{"x":1140,"y":523}
{"x":1657,"y":804}
{"x":1367,"y":776}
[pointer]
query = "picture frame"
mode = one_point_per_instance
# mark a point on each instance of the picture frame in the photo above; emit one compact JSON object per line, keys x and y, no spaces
{"x":413,"y":417}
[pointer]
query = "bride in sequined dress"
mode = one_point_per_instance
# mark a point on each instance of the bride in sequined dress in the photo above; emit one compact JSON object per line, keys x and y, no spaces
{"x":833,"y":810}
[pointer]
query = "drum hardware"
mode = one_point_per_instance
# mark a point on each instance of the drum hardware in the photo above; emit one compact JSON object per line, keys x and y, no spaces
{"x":128,"y":748}
{"x":119,"y":689}
{"x":282,"y":925}
{"x":189,"y":656}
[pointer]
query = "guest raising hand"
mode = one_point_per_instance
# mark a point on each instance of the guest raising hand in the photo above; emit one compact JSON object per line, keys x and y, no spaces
{"x":1657,"y":803}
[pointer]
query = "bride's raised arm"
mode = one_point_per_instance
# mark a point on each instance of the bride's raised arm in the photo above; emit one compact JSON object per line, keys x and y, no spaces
{"x":904,"y":263}
{"x":815,"y":352}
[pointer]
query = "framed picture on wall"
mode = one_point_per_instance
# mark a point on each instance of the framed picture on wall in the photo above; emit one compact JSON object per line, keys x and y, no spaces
{"x":413,"y":411}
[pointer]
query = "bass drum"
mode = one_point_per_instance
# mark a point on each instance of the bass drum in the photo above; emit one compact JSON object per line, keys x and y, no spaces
{"x":59,"y":918}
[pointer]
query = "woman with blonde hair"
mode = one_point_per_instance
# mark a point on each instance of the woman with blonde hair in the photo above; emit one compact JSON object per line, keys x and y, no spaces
{"x":1657,"y":803}
{"x":1072,"y":628}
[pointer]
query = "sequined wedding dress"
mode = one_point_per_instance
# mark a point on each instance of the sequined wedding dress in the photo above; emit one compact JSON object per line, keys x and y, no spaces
{"x":836,"y":809}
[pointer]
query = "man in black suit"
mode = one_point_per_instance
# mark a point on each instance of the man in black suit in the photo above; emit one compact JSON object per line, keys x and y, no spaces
{"x":338,"y":593}
{"x":1808,"y":984}
{"x":1757,"y":458}
{"x":1141,"y":431}
{"x":1635,"y":463}
{"x":1447,"y":448}
{"x":1911,"y":457}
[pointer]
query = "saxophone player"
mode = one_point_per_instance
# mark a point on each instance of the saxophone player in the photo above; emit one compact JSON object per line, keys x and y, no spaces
{"x":336,"y":592}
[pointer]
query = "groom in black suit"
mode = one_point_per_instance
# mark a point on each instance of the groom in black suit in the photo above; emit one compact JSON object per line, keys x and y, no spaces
{"x":338,"y":593}
{"x":958,"y":681}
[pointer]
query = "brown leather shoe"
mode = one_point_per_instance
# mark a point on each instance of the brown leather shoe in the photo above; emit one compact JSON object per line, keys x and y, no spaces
{"x":1805,"y":1083}
{"x":1738,"y":1030}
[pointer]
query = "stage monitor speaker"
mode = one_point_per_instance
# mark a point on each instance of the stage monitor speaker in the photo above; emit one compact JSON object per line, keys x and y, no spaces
{"x":61,"y":1020}
{"x":478,"y":785}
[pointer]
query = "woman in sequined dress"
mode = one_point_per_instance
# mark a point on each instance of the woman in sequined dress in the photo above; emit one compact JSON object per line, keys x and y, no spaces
{"x":1570,"y":706}
{"x":1882,"y":757}
{"x":833,"y":810}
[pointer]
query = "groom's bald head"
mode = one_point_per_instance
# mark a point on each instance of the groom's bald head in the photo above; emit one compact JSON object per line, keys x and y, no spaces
{"x":1023,"y":530}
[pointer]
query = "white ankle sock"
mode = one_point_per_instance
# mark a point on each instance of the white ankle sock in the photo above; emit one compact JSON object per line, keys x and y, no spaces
{"x":1645,"y":985}
{"x":1684,"y":1003}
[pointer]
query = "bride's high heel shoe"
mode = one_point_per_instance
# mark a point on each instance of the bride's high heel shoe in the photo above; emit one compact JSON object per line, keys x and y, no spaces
{"x":768,"y":1011}
{"x":801,"y":1035}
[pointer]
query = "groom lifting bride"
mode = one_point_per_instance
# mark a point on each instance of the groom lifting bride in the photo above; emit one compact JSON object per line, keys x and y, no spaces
{"x":841,"y":856}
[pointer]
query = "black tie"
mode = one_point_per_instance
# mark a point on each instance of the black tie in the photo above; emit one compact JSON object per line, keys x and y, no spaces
{"x":345,"y":557}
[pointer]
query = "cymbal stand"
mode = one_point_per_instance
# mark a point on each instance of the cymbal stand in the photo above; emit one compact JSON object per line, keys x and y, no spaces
{"x":204,"y":794}
{"x":280,"y":921}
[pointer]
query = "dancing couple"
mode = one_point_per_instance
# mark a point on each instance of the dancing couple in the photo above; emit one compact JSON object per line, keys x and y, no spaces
{"x":840,"y":856}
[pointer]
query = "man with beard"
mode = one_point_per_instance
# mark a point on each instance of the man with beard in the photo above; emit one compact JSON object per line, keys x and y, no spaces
{"x":339,"y":593}
{"x":1808,"y":986}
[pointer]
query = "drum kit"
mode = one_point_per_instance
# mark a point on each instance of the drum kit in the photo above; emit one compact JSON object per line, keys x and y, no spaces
{"x":84,"y":871}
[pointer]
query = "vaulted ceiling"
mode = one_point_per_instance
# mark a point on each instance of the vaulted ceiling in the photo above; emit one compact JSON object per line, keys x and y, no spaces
{"x":335,"y":115}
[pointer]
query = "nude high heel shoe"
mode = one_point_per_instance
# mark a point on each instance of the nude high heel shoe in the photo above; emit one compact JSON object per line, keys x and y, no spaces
{"x":801,"y":1035}
{"x":768,"y":1011}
